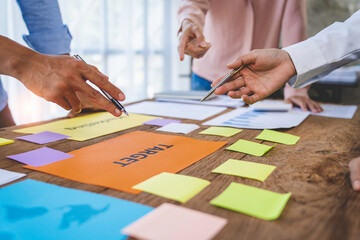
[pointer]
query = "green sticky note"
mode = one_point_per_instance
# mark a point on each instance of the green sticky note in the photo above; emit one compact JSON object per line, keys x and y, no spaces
{"x":246,"y":169}
{"x":251,"y":148}
{"x":221,"y":131}
{"x":173,"y":186}
{"x":253,"y":201}
{"x":279,"y":137}
{"x":4,"y":141}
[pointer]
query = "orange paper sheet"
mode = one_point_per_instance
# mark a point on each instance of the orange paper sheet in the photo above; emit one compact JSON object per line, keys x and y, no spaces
{"x":129,"y":159}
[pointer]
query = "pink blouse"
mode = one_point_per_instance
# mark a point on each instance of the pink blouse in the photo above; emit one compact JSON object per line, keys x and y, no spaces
{"x":235,"y":27}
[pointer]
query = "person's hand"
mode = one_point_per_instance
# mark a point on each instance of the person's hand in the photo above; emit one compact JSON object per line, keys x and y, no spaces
{"x":86,"y":106}
{"x":299,"y":97}
{"x":354,"y":167}
{"x":192,"y":41}
{"x":62,"y":79}
{"x":266,"y":71}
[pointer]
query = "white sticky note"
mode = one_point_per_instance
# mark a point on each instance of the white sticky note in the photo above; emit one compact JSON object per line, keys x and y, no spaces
{"x":179,"y":128}
{"x":9,"y":176}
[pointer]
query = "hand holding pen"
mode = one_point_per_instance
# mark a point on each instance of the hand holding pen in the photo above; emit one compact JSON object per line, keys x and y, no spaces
{"x":109,"y":90}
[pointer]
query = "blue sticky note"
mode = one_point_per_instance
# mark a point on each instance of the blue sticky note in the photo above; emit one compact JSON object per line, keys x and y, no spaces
{"x":37,"y":210}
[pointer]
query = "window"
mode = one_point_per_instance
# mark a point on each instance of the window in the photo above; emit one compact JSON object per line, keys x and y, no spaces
{"x":134,"y":42}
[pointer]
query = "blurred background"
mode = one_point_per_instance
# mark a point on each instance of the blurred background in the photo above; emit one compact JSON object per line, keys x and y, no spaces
{"x":135,"y":42}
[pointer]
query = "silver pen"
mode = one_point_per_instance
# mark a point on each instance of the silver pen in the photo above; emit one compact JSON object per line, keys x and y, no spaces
{"x":113,"y":100}
{"x":222,"y":81}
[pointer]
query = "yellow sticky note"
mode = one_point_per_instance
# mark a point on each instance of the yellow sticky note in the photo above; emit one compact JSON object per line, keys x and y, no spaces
{"x":279,"y":137}
{"x":251,"y":148}
{"x":252,"y":201}
{"x":246,"y":169}
{"x":221,"y":131}
{"x":4,"y":141}
{"x":90,"y":126}
{"x":173,"y":186}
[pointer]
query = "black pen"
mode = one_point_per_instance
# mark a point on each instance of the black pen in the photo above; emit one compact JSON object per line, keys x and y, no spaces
{"x":113,"y":100}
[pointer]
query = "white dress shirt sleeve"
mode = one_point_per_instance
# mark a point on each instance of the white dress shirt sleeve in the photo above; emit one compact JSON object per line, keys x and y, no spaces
{"x":328,"y":50}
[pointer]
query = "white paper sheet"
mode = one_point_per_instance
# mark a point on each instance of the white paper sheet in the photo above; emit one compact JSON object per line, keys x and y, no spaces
{"x":222,"y":101}
{"x":271,"y":105}
{"x":246,"y":118}
{"x":9,"y":176}
{"x":175,"y":110}
{"x":337,"y":111}
{"x":179,"y":128}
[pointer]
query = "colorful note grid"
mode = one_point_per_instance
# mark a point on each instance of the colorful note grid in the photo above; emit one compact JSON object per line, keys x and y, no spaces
{"x":221,"y":131}
{"x":40,"y":157}
{"x":253,"y":201}
{"x":4,"y":141}
{"x":43,"y":137}
{"x":37,"y":210}
{"x":173,"y":186}
{"x":176,"y":223}
{"x":246,"y":169}
{"x":279,"y":137}
{"x":251,"y":148}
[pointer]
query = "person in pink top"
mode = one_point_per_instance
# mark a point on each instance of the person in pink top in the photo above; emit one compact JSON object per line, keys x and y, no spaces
{"x":216,"y":32}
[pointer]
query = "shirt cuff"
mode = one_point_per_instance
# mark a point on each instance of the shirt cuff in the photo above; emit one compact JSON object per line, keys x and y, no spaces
{"x":308,"y":61}
{"x":3,"y":97}
{"x":56,"y":41}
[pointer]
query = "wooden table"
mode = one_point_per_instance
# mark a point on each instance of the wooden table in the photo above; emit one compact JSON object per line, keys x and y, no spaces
{"x":315,"y":170}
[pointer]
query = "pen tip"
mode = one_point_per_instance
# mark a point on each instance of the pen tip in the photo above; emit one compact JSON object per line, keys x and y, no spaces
{"x":126,"y":113}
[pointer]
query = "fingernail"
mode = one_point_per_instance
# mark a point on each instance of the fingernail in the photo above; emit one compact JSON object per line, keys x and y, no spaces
{"x":203,"y":44}
{"x":356,"y":185}
{"x":117,"y":112}
{"x":121,"y":97}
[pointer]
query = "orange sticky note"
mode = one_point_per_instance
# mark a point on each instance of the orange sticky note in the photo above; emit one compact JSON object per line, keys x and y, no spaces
{"x":129,"y":159}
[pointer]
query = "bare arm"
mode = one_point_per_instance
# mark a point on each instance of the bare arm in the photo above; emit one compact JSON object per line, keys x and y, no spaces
{"x":57,"y":79}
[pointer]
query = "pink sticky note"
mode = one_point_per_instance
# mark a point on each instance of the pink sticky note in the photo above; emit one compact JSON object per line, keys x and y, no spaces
{"x":40,"y":157}
{"x":161,"y":121}
{"x":43,"y":137}
{"x":173,"y":222}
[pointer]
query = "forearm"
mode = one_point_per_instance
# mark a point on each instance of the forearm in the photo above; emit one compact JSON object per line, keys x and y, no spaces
{"x":194,"y":10}
{"x":14,"y":57}
{"x":331,"y":48}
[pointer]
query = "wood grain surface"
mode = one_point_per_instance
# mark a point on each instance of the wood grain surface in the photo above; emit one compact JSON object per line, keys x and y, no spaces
{"x":315,"y":170}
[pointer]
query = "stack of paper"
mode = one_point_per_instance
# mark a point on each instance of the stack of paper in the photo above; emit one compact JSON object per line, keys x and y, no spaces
{"x":222,"y":101}
{"x":246,"y":118}
{"x":175,"y":110}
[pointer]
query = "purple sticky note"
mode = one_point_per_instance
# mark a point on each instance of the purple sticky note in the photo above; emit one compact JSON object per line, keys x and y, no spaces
{"x":161,"y":121}
{"x":43,"y":137}
{"x":40,"y":157}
